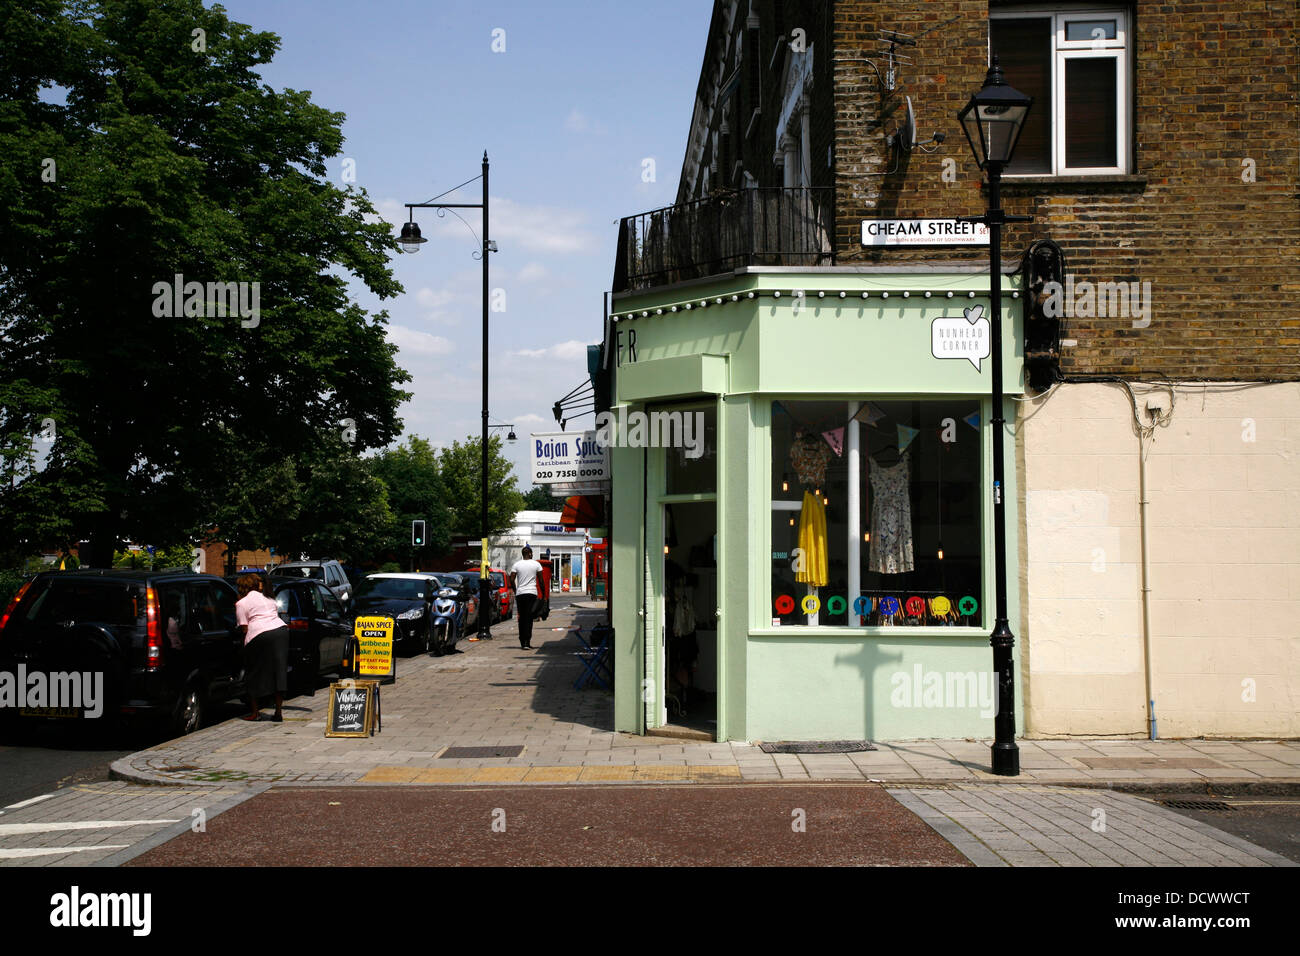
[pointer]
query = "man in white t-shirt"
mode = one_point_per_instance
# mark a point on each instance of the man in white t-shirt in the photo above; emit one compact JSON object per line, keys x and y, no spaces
{"x":526,"y":582}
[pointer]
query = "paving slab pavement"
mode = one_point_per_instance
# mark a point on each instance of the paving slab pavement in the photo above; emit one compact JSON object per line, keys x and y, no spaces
{"x":1028,"y":825}
{"x":106,"y":823}
{"x":495,"y":694}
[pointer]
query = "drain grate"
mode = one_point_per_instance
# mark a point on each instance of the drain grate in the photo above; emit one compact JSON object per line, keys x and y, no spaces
{"x":476,"y":753}
{"x":1213,"y":806}
{"x":817,"y":747}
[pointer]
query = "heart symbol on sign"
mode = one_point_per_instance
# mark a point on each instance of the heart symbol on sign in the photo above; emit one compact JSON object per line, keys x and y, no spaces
{"x":974,"y":314}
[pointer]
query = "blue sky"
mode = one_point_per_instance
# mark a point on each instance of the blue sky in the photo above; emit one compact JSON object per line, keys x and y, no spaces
{"x":582,"y":94}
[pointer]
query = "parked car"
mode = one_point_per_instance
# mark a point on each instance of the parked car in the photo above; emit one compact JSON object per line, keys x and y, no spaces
{"x":329,"y":573}
{"x":504,"y":595}
{"x":408,"y":599}
{"x":166,"y":642}
{"x":495,"y":585}
{"x":320,"y":631}
{"x":471,"y":579}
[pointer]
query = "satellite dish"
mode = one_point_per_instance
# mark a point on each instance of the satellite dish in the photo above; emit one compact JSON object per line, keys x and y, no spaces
{"x":907,"y":133}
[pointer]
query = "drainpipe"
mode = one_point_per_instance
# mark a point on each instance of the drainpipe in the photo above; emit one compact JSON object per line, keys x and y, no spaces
{"x":1146,"y":586}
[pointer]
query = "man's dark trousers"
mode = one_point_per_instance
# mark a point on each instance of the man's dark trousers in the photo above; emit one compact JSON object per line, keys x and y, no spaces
{"x":525,"y":605}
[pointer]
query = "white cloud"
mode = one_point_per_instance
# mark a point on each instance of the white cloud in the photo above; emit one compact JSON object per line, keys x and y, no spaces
{"x":572,"y":349}
{"x":575,"y":122}
{"x":532,"y":272}
{"x":541,"y":228}
{"x":410,"y":340}
{"x":550,"y":229}
{"x":391,"y":211}
{"x":433,"y":298}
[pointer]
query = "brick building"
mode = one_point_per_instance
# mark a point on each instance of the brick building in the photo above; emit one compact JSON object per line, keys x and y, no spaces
{"x":217,"y":559}
{"x":1153,"y":400}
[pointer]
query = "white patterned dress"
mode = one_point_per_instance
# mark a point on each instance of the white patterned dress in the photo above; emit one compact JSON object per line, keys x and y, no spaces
{"x":891,"y":519}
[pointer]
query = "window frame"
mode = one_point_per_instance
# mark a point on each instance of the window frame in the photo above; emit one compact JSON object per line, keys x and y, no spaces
{"x":1118,"y":48}
{"x":761,"y":605}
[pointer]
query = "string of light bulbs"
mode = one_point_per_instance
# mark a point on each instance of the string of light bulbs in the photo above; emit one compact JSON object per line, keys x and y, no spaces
{"x":822,"y":295}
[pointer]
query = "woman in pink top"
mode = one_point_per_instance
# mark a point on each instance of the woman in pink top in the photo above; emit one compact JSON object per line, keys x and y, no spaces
{"x":266,"y":646}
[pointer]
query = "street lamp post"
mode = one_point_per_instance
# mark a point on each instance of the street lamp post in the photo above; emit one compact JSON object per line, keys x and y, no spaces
{"x":992,"y":120}
{"x":410,"y":241}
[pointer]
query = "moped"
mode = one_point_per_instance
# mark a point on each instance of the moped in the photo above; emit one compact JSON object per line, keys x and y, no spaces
{"x":448,"y":622}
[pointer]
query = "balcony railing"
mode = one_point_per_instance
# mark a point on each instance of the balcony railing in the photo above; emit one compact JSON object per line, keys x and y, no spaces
{"x":711,"y":236}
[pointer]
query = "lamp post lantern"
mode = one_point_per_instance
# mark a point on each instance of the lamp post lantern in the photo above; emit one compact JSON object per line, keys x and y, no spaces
{"x":992,"y":120}
{"x":410,"y":240}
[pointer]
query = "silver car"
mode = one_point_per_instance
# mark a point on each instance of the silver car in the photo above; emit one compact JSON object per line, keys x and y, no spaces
{"x":329,"y":573}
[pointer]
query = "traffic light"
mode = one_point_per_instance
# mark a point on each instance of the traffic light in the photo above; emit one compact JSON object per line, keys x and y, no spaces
{"x":417,"y":533}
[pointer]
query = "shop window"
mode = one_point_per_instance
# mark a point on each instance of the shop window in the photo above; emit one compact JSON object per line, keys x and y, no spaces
{"x":689,"y":437}
{"x":917,"y":539}
{"x":1075,"y":65}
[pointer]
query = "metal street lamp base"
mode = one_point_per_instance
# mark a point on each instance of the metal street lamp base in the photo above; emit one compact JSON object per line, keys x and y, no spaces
{"x":1006,"y":759}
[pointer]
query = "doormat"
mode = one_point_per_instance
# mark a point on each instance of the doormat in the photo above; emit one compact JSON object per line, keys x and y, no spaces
{"x":817,"y":747}
{"x":475,"y":753}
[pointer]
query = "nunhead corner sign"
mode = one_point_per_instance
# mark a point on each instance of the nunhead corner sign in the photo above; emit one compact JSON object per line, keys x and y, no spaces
{"x":923,"y":232}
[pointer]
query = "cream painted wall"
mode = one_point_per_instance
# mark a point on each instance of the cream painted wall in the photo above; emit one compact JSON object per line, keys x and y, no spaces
{"x":1223,"y":482}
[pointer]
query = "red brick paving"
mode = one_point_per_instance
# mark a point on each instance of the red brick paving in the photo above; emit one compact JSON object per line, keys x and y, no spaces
{"x":697,"y":825}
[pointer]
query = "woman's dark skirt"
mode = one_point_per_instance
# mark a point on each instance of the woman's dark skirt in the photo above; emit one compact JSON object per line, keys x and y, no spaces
{"x":266,"y":662}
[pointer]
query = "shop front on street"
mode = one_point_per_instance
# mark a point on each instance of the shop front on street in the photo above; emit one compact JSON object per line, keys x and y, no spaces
{"x":802,"y":520}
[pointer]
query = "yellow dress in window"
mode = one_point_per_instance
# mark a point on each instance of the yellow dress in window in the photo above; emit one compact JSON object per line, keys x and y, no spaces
{"x":812,"y":542}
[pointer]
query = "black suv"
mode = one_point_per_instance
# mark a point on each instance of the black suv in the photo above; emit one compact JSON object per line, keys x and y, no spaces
{"x":166,"y":642}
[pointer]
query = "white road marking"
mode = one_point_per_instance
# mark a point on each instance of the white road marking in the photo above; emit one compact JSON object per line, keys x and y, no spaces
{"x":51,"y":851}
{"x":14,"y":829}
{"x":28,"y":803}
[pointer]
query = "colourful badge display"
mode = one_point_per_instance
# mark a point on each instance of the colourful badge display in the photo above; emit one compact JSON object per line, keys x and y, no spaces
{"x":915,"y":606}
{"x":941,"y":605}
{"x":784,"y":604}
{"x":889,"y":606}
{"x":968,"y":606}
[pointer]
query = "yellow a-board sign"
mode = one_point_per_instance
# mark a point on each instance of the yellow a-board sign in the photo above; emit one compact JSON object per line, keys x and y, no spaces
{"x":375,"y":647}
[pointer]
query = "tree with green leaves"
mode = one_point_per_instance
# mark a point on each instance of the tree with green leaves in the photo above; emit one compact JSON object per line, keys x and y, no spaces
{"x":461,"y":468}
{"x":415,"y":491}
{"x":345,"y":512}
{"x":172,"y":278}
{"x":539,"y":498}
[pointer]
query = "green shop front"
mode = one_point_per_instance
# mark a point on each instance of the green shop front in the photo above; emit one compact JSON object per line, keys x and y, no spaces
{"x":802,"y":531}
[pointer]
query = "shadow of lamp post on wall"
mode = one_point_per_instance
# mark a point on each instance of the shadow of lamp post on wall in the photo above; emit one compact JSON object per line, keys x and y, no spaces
{"x":410,"y":241}
{"x":992,"y":120}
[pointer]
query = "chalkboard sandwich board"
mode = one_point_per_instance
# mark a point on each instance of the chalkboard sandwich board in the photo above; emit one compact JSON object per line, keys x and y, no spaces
{"x":354,"y":709}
